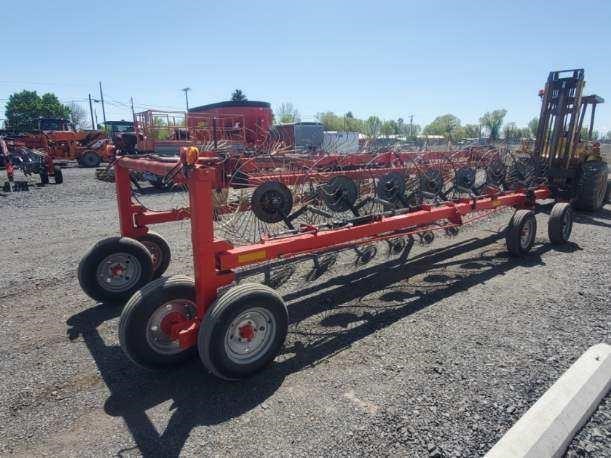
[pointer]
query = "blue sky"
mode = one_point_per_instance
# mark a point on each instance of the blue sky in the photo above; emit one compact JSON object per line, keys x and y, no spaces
{"x":392,"y":59}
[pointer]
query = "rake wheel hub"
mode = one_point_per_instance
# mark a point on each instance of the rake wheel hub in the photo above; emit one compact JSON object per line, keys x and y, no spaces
{"x":391,"y":187}
{"x":339,"y":194}
{"x":465,"y":177}
{"x":432,"y":181}
{"x":271,"y":202}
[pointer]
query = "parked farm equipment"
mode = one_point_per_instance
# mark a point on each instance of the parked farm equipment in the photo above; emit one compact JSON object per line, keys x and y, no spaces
{"x":15,"y":156}
{"x":57,"y":138}
{"x":252,"y":215}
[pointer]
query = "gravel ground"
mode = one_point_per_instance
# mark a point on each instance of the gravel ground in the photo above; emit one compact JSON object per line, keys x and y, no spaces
{"x":436,"y":357}
{"x":594,"y":439}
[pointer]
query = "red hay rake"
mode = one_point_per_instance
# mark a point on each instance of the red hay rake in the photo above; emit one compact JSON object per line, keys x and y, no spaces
{"x":257,"y":214}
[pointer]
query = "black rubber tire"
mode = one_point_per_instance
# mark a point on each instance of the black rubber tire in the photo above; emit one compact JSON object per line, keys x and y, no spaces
{"x":591,"y":186}
{"x":58,"y":175}
{"x":90,"y":159}
{"x":556,"y":227}
{"x":210,"y":341}
{"x":87,"y":269}
{"x":161,"y":264}
{"x":44,"y":177}
{"x":514,"y":231}
{"x":135,"y":317}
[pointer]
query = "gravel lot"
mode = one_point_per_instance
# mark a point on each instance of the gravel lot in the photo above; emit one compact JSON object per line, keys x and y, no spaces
{"x":436,"y":357}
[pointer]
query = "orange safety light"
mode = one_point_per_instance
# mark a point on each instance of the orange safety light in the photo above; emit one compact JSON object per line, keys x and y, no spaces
{"x":192,"y":155}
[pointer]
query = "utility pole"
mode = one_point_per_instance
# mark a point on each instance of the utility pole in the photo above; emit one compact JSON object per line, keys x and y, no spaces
{"x":91,"y":113}
{"x":186,"y":91}
{"x":103,"y":109}
{"x":131,"y":100}
{"x":411,"y":125}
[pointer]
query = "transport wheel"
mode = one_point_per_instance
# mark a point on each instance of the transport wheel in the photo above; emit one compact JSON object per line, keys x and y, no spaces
{"x":521,"y":232}
{"x":243,"y":331}
{"x":44,"y":177}
{"x":592,"y":186}
{"x":90,"y":159}
{"x":560,"y":223}
{"x":58,"y":176}
{"x":159,"y":250}
{"x":148,"y":319}
{"x":114,"y":269}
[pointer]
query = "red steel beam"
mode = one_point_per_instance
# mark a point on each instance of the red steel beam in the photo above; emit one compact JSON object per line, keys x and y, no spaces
{"x":283,"y":247}
{"x":146,"y":165}
{"x":156,"y":217}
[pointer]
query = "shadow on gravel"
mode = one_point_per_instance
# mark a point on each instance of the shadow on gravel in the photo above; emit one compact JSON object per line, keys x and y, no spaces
{"x":598,"y":218}
{"x":195,"y":398}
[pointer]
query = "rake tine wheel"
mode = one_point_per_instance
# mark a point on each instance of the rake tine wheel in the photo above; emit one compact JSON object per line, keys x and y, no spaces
{"x":436,"y":175}
{"x":385,"y":184}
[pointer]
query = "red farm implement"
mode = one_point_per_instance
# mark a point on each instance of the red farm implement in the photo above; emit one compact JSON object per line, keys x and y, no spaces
{"x":252,"y":215}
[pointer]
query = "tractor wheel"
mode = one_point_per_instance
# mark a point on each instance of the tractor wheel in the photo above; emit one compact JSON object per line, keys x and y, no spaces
{"x":44,"y":177}
{"x":521,"y":232}
{"x":145,"y":327}
{"x":90,"y":159}
{"x":560,"y":223}
{"x":592,"y":186}
{"x":243,"y":331}
{"x":160,"y":251}
{"x":58,"y":176}
{"x":114,"y":269}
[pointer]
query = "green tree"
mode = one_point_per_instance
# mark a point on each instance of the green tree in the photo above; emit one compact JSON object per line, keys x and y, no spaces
{"x":331,"y":121}
{"x":492,"y":121}
{"x":387,"y":128}
{"x":286,"y":113}
{"x":402,"y":129}
{"x":533,"y":125}
{"x":525,"y":132}
{"x":24,"y":108}
{"x":372,"y":127}
{"x":584,"y":134}
{"x":78,"y":116}
{"x":608,"y":136}
{"x":512,"y":132}
{"x":447,"y":125}
{"x":238,"y":96}
{"x":352,"y":124}
{"x":472,"y":130}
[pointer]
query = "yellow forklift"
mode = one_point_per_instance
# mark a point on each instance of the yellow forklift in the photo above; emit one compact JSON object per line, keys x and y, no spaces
{"x":572,"y":164}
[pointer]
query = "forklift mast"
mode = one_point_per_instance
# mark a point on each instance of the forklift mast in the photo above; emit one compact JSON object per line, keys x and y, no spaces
{"x":563,"y":110}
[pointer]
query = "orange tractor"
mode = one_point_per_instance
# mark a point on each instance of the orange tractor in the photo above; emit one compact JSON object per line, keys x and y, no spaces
{"x":58,"y":138}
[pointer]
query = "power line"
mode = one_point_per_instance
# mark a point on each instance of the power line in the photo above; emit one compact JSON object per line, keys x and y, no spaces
{"x":40,"y":83}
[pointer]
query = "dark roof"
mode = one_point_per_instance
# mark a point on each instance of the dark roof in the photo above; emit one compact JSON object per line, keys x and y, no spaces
{"x":122,"y":122}
{"x":230,"y":103}
{"x":592,"y":99}
{"x":300,"y":123}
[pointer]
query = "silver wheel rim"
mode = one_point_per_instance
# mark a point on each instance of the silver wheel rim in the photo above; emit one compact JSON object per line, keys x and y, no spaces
{"x":158,"y":327}
{"x":155,"y":251}
{"x":526,"y":234}
{"x":250,"y":335}
{"x":118,"y":272}
{"x":567,"y":222}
